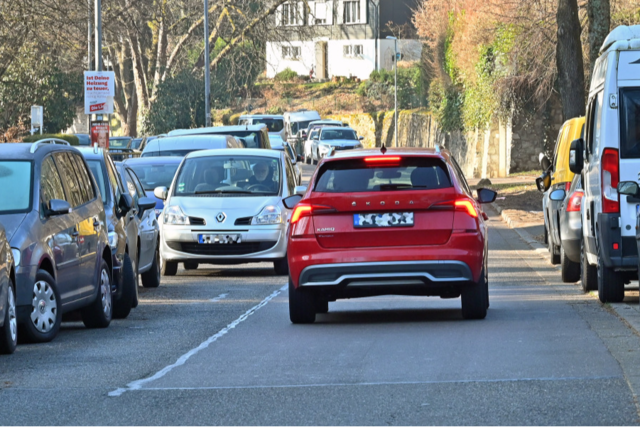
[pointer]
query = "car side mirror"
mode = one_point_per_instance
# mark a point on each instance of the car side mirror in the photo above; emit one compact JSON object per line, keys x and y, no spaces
{"x":543,"y":182}
{"x":160,"y":193}
{"x":58,"y":207}
{"x":125,"y":203}
{"x":146,"y":203}
{"x":558,"y":195}
{"x":486,"y":196}
{"x":291,"y":201}
{"x":628,"y":188}
{"x":300,"y":158}
{"x":576,"y":156}
{"x":300,"y":189}
{"x":361,"y":138}
{"x":545,"y":163}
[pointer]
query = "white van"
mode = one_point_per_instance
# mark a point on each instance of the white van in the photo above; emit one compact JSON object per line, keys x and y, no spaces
{"x":180,"y":146}
{"x":295,"y":126}
{"x":609,"y":154}
{"x":274,"y":123}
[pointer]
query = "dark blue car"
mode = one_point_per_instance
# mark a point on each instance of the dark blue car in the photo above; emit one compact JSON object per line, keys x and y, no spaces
{"x":155,"y":172}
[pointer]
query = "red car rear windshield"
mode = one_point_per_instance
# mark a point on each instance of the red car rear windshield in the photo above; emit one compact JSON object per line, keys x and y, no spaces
{"x":358,"y":176}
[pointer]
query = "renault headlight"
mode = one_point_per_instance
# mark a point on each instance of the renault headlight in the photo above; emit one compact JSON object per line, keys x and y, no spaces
{"x":113,"y":240}
{"x":173,"y":215}
{"x":269,"y":215}
{"x":16,"y":256}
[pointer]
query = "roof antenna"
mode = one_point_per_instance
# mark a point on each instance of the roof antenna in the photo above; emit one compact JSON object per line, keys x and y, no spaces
{"x":383,"y":149}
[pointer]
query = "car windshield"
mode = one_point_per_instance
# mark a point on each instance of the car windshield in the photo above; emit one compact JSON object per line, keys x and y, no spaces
{"x":329,"y":134}
{"x":292,"y":154}
{"x":98,"y":174}
{"x":135,"y":144}
{"x":296,"y":126}
{"x":274,"y":125}
{"x":119,"y":142}
{"x":358,"y":176}
{"x":15,"y":186}
{"x":236,"y":176}
{"x":155,"y":175}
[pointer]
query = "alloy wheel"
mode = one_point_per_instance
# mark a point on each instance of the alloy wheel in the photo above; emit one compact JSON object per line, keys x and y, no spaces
{"x":105,"y":292}
{"x":13,"y":320}
{"x":44,"y":307}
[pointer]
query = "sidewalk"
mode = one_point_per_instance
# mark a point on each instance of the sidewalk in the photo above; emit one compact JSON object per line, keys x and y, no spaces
{"x":530,"y":231}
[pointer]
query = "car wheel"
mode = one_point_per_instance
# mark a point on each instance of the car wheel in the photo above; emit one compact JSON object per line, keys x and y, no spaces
{"x":9,"y":331}
{"x":151,"y":278}
{"x":315,"y":159}
{"x":546,"y":236}
{"x":281,"y":266}
{"x":122,"y":306}
{"x":554,"y":253}
{"x":190,"y":265}
{"x":302,"y":305}
{"x":307,"y":159}
{"x":610,"y":284}
{"x":570,"y":269}
{"x":45,"y":318}
{"x":168,"y":268}
{"x":588,"y":273}
{"x":99,"y":313}
{"x":322,"y":306}
{"x":475,"y":299}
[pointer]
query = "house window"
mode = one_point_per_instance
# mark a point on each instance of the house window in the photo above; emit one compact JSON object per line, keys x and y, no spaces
{"x":290,"y":14}
{"x":353,"y":51}
{"x":351,"y":12}
{"x":291,"y":52}
{"x":319,"y":13}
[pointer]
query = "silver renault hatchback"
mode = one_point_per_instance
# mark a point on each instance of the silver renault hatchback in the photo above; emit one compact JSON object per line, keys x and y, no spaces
{"x":225,"y":207}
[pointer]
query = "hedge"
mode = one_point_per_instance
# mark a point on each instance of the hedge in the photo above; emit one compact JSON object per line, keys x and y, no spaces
{"x":71,"y":139}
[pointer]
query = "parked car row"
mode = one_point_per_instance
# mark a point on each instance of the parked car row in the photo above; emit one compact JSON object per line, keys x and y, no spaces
{"x":598,"y":210}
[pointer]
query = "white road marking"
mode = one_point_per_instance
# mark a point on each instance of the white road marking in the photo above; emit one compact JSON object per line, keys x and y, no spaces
{"x":219,"y":297}
{"x":137,"y":385}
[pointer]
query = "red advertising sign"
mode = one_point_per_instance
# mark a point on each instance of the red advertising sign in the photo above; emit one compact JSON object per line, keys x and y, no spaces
{"x":100,"y":134}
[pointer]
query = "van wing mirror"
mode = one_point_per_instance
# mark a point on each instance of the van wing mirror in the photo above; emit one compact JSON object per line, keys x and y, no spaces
{"x":58,"y":207}
{"x":160,"y":193}
{"x":543,"y":182}
{"x":628,"y":188}
{"x":545,"y":163}
{"x":126,"y":202}
{"x":576,"y":156}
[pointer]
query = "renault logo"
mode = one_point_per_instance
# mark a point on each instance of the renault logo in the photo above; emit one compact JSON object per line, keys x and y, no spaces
{"x":221,"y":217}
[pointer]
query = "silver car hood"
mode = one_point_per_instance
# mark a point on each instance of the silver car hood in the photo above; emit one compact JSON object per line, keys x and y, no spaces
{"x":232,"y":207}
{"x":11,"y":223}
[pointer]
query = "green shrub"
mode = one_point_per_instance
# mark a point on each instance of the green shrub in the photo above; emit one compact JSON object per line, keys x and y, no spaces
{"x":286,"y":75}
{"x":71,"y":139}
{"x":234,"y":118}
{"x":275,"y":109}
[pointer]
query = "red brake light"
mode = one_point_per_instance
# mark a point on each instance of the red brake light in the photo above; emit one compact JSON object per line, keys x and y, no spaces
{"x":466,"y":206}
{"x":382,"y":159}
{"x":575,"y":201}
{"x":610,"y":179}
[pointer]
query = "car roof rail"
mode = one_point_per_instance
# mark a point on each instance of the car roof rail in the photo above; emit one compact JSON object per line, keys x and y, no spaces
{"x":41,"y":142}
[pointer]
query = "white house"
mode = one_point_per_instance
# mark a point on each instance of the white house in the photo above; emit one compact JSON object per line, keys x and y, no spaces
{"x":339,"y":37}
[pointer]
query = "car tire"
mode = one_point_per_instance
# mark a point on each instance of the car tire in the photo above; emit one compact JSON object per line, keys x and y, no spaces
{"x":570,"y":270}
{"x":475,"y":299}
{"x":281,"y":266}
{"x":322,"y":305}
{"x":44,"y":320}
{"x":123,"y":305}
{"x":135,"y":302}
{"x":9,"y":330}
{"x":302,"y":305}
{"x":151,"y":278}
{"x":168,"y":268}
{"x":546,"y":236}
{"x":554,"y":253}
{"x":190,"y":265}
{"x":588,"y":273}
{"x":610,"y":283}
{"x":100,"y":312}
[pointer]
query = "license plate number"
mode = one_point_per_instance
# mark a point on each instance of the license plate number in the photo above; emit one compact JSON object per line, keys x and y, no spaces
{"x":219,"y":239}
{"x":383,"y":220}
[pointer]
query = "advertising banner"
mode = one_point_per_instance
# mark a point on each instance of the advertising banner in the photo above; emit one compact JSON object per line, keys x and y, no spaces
{"x":99,"y":90}
{"x":100,"y":134}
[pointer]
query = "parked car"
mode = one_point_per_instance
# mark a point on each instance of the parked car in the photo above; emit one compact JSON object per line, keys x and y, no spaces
{"x":307,"y":145}
{"x":400,"y":221}
{"x":278,"y":144}
{"x":608,"y":154}
{"x":334,"y":138}
{"x":120,"y":147}
{"x":56,"y":226}
{"x":254,"y":136}
{"x":83,"y":139}
{"x":556,"y":175}
{"x":180,"y":146}
{"x":225,"y":207}
{"x":8,"y":316}
{"x":274,"y":123}
{"x":148,"y":262}
{"x":122,"y":230}
{"x":295,"y":126}
{"x":316,"y":124}
{"x":570,"y":228}
{"x":155,"y":172}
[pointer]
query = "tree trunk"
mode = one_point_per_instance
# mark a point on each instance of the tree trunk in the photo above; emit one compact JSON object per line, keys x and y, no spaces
{"x":569,"y":60}
{"x":599,"y":12}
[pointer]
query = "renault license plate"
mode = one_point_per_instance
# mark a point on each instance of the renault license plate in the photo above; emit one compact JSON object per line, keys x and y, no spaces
{"x":383,"y":220}
{"x":219,"y":239}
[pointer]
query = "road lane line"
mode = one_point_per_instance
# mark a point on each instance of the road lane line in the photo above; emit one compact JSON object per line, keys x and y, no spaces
{"x":137,"y":385}
{"x":219,"y":297}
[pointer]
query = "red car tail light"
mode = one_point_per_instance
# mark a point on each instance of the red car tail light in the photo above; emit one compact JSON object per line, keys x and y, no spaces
{"x":575,"y":201}
{"x":610,"y":179}
{"x":466,"y":206}
{"x":382,"y":160}
{"x":301,"y":222}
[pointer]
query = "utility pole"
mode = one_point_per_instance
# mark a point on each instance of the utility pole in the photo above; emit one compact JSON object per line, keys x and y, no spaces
{"x":395,"y":62}
{"x":98,"y":12}
{"x":89,"y":57}
{"x":207,"y":61}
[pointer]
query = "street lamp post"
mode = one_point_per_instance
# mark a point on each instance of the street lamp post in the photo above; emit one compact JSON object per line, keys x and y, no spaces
{"x":395,"y":61}
{"x":207,"y":73}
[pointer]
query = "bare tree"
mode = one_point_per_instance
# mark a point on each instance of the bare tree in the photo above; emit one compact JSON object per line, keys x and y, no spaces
{"x":599,"y":13}
{"x":569,"y":60}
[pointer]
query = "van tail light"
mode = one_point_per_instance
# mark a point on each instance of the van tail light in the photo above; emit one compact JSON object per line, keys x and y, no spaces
{"x":575,"y":201}
{"x":610,"y":179}
{"x":301,"y":219}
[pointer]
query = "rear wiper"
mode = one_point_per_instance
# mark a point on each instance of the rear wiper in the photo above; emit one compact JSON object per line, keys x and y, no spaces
{"x":387,"y":187}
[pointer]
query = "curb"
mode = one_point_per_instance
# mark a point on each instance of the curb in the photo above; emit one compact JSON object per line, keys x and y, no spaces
{"x":524,"y":235}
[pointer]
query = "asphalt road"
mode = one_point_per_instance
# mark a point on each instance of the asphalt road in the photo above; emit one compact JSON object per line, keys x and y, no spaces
{"x":216,"y":346}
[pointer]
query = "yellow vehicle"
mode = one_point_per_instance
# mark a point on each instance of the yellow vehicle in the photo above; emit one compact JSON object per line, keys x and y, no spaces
{"x":557,"y":175}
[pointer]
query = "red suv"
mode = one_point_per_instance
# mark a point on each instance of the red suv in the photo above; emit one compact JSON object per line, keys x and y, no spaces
{"x":380,"y":222}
